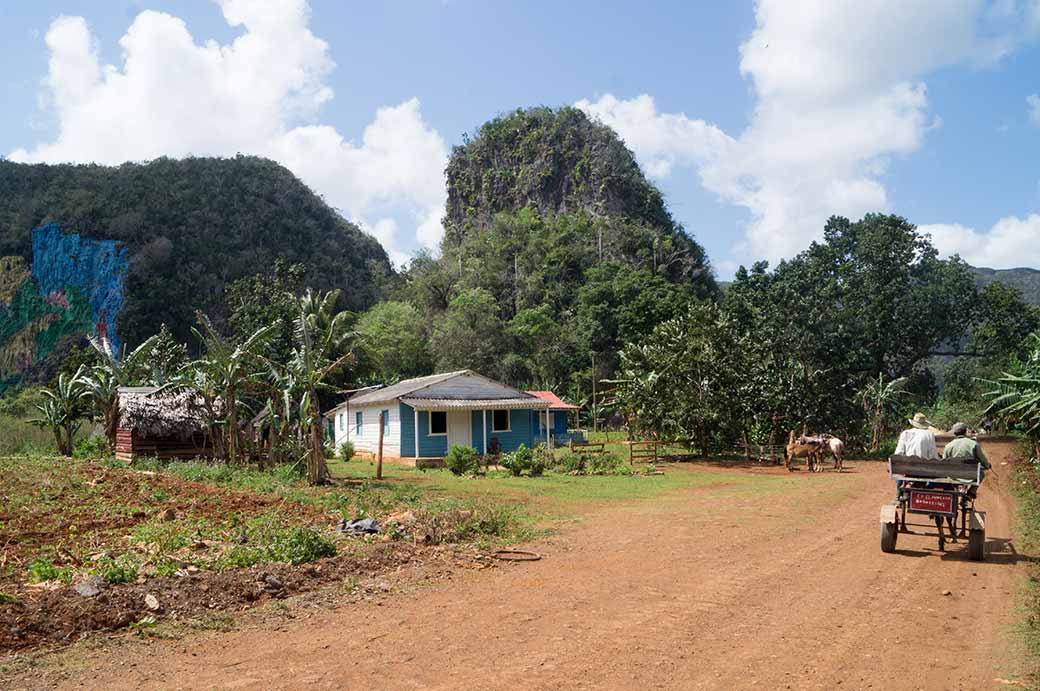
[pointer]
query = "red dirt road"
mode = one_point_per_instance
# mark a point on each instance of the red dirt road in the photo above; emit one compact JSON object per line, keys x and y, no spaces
{"x":725,"y":587}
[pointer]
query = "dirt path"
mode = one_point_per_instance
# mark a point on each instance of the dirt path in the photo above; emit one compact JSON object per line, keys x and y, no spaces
{"x":720,"y":588}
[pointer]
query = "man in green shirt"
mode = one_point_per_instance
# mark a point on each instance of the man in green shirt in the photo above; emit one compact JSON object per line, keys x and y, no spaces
{"x":964,"y":448}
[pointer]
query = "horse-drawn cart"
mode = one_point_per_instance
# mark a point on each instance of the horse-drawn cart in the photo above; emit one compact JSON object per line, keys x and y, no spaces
{"x":942,"y":490}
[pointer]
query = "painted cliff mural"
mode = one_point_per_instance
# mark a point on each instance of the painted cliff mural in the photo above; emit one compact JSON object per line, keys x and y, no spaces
{"x":73,"y":288}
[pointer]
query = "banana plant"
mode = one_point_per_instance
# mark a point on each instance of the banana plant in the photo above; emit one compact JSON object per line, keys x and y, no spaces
{"x":879,"y":397}
{"x":64,"y":409}
{"x":102,"y":382}
{"x":321,"y":336}
{"x":1015,"y":398}
{"x":223,"y":372}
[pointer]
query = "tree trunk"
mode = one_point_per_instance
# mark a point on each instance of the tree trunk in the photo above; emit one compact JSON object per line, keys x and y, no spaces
{"x":317,"y":471}
{"x":232,"y":427}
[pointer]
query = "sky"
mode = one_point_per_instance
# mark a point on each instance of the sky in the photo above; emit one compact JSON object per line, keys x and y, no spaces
{"x":757,"y":120}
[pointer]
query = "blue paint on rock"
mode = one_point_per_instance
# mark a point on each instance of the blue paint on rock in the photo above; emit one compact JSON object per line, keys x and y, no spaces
{"x":98,"y":267}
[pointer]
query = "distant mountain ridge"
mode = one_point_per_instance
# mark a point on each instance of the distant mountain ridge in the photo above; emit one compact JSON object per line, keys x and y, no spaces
{"x":1025,"y":279}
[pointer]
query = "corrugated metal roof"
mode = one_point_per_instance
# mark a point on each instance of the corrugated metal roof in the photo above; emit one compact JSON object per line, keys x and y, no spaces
{"x":401,"y":388}
{"x":464,"y":385}
{"x":529,"y":403}
{"x":555,"y":402}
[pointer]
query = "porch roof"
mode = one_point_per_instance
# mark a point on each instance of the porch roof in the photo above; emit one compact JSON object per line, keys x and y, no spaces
{"x":527,"y":403}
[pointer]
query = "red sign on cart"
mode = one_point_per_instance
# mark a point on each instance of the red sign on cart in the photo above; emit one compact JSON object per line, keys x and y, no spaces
{"x":931,"y":502}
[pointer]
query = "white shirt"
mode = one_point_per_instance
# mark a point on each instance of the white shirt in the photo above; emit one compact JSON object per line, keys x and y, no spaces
{"x":917,"y":442}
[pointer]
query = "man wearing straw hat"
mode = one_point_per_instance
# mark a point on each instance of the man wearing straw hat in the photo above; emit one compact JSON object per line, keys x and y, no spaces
{"x":917,"y":441}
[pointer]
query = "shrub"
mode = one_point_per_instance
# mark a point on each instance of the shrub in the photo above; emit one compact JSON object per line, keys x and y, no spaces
{"x":92,"y":448}
{"x":571,"y":462}
{"x":608,"y":464}
{"x":122,"y":569}
{"x":43,"y":569}
{"x":516,"y":462}
{"x":462,"y":460}
{"x":346,"y":451}
{"x":299,"y":545}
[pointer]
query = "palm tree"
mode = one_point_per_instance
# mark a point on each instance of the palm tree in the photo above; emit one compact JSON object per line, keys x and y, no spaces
{"x":1016,"y":396}
{"x":103,"y":381}
{"x":64,"y":409}
{"x":878,"y":398}
{"x":222,"y":373}
{"x":321,"y":336}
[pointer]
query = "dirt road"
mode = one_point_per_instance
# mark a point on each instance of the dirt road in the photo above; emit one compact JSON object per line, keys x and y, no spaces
{"x":723,"y":587}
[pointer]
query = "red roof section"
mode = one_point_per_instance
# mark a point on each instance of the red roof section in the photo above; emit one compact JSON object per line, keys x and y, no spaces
{"x":554,"y":401}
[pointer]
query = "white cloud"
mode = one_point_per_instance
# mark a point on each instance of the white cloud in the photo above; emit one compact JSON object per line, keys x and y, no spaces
{"x":1033,"y":101}
{"x":259,"y":94}
{"x":1012,"y":242}
{"x":838,"y":93}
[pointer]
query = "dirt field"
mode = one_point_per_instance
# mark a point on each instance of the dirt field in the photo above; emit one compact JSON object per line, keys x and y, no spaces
{"x":778,"y":585}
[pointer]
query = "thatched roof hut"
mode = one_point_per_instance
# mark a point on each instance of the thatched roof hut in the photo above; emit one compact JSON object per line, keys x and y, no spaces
{"x":160,"y":423}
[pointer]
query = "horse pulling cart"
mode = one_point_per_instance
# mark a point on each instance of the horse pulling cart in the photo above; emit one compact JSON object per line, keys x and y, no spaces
{"x":942,"y":490}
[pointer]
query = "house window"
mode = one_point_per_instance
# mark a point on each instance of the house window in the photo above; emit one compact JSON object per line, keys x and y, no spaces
{"x":438,"y":422}
{"x":341,"y":423}
{"x":500,"y":421}
{"x":357,"y":423}
{"x":386,"y":422}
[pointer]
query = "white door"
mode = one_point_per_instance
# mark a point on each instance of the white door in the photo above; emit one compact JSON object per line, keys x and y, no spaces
{"x":460,"y":428}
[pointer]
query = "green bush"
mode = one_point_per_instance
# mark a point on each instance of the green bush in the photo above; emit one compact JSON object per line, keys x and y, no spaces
{"x":346,"y":451}
{"x":122,"y":569}
{"x":299,"y":545}
{"x":578,"y":463}
{"x":43,"y":569}
{"x":462,"y":460}
{"x":516,"y":462}
{"x":92,"y":448}
{"x":608,"y":464}
{"x":571,"y":462}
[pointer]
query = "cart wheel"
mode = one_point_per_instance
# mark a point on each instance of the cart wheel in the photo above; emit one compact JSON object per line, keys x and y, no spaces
{"x":889,"y":533}
{"x":976,"y":544}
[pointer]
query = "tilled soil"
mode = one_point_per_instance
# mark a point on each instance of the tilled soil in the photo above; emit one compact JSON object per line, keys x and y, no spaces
{"x":716,"y":588}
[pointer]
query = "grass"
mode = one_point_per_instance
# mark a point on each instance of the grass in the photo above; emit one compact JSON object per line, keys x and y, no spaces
{"x":553,"y":494}
{"x":19,"y":437}
{"x":1026,"y":490}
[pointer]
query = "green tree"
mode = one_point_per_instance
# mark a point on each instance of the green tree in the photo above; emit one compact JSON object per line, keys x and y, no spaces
{"x":687,"y":378}
{"x":393,"y":343}
{"x":1002,"y":323}
{"x":221,"y":375}
{"x":469,"y":335}
{"x":63,"y":409}
{"x":103,"y":381}
{"x":321,"y":335}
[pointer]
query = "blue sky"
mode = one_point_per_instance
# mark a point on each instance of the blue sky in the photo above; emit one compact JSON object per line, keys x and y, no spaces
{"x":756,"y":120}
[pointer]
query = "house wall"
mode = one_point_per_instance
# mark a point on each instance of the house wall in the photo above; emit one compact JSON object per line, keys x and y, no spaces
{"x":368,"y":440}
{"x":400,"y":440}
{"x":521,"y":423}
{"x":430,"y":446}
{"x":559,"y":424}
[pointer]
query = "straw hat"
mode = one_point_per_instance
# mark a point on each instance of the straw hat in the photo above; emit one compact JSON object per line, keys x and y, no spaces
{"x":920,"y":421}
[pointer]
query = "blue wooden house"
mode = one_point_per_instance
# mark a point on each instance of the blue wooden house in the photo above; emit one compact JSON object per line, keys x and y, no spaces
{"x":422,"y":417}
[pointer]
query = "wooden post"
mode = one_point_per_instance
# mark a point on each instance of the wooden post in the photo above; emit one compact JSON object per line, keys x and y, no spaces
{"x":593,"y":393}
{"x":379,"y":452}
{"x":483,"y":430}
{"x":547,"y":447}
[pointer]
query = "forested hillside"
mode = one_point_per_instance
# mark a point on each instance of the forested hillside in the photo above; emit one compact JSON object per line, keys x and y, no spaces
{"x":557,"y":251}
{"x":1027,"y":281}
{"x":190,"y":227}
